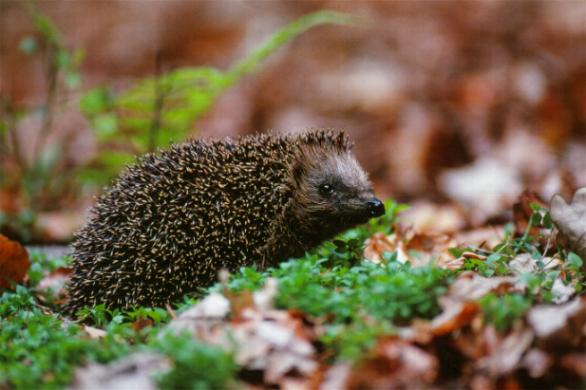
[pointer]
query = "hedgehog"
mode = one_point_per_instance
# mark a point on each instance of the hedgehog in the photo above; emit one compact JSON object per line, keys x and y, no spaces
{"x":171,"y":221}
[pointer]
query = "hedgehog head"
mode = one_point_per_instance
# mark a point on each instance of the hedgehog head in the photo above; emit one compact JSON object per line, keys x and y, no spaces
{"x":332,"y":192}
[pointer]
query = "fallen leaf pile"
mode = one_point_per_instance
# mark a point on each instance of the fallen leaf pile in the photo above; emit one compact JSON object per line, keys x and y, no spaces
{"x":279,"y":348}
{"x":477,"y":338}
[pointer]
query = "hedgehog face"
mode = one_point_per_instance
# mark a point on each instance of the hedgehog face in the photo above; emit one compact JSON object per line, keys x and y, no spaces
{"x":334,"y":192}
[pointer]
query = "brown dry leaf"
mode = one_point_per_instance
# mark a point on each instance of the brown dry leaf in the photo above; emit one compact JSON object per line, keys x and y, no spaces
{"x":471,"y":341}
{"x":55,"y":282}
{"x":203,"y":318}
{"x":471,"y":287}
{"x":10,"y":199}
{"x":570,"y":219}
{"x":559,"y":324}
{"x":483,"y":237}
{"x":485,"y":188}
{"x":59,"y":226}
{"x":335,"y":377}
{"x":505,"y":354}
{"x":525,"y":263}
{"x":377,"y":245}
{"x":576,"y":363}
{"x":264,"y":298}
{"x":14,"y":262}
{"x":94,"y":333}
{"x":536,"y":362}
{"x":141,"y":323}
{"x":417,"y":248}
{"x":239,"y":302}
{"x":424,"y":249}
{"x":394,"y":363}
{"x":562,"y":292}
{"x":431,"y":218}
{"x":276,"y":342}
{"x":454,"y":317}
{"x":132,"y":372}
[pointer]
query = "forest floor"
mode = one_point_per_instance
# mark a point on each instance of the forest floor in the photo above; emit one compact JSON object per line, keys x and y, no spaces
{"x":472,"y":113}
{"x":382,"y":305}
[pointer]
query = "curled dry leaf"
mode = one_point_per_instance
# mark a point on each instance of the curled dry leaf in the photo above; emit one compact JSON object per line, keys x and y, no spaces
{"x":394,"y":363}
{"x":484,"y":237}
{"x":576,"y":363}
{"x":484,"y":188}
{"x":141,"y":323}
{"x":570,"y":219}
{"x":562,"y":292}
{"x":431,"y":218}
{"x":454,"y":317}
{"x":264,"y":298}
{"x":536,"y":362}
{"x":427,"y":248}
{"x":55,"y":283}
{"x":336,"y":377}
{"x":94,"y":333}
{"x":60,"y":225}
{"x":525,"y":263}
{"x":416,"y":248}
{"x":202,"y":318}
{"x":132,"y":372}
{"x":377,"y":245}
{"x":471,"y":287}
{"x":14,"y":262}
{"x":276,"y":342}
{"x":505,"y":354}
{"x":560,"y":324}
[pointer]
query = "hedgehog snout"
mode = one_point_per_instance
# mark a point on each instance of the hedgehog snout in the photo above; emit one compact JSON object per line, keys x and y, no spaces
{"x":375,"y":207}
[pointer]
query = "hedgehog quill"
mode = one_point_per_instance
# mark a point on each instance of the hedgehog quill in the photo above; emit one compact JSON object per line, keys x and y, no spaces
{"x":174,"y":219}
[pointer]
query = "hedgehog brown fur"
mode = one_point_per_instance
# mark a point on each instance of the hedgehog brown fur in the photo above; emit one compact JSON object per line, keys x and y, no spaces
{"x":174,"y":219}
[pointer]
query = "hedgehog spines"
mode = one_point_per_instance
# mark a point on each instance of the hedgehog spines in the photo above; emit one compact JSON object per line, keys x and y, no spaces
{"x":175,"y":218}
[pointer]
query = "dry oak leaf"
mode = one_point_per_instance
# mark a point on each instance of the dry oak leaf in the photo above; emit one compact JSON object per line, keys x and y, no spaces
{"x":55,"y":283}
{"x":380,"y":243}
{"x":277,"y":343}
{"x":453,"y":318}
{"x":563,"y":324}
{"x":432,"y":218}
{"x":471,"y":287}
{"x":416,"y":248}
{"x":131,"y":372}
{"x":505,"y":354}
{"x":14,"y":262}
{"x":570,"y":219}
{"x":394,"y":363}
{"x":94,"y":333}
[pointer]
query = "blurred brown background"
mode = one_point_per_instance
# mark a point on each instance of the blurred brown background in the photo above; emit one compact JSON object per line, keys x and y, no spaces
{"x":465,"y":103}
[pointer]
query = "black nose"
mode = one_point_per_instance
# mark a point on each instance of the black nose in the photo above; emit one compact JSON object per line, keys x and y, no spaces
{"x":376,"y":208}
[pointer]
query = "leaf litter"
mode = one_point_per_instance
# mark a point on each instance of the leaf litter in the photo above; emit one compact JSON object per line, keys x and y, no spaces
{"x":472,"y":341}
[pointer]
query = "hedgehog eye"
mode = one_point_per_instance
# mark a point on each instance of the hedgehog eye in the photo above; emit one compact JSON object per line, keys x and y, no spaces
{"x":326,"y":190}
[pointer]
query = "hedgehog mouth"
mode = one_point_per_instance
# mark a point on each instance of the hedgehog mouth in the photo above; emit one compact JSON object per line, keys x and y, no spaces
{"x":355,"y":219}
